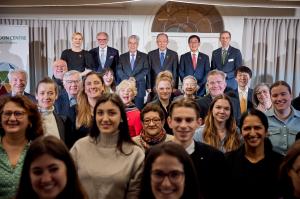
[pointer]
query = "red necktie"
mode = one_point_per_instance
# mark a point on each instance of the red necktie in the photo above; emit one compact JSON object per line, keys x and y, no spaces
{"x":194,"y":59}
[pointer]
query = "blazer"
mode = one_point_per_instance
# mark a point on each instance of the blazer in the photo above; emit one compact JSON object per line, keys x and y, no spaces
{"x":232,"y":61}
{"x":186,"y":68}
{"x":205,"y":102}
{"x":249,"y":98}
{"x":140,"y":71}
{"x":62,"y":107}
{"x":170,"y":64}
{"x":112,"y":59}
{"x":28,"y":95}
{"x":61,"y":122}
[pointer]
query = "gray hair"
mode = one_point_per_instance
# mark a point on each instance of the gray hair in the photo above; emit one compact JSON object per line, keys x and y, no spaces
{"x":70,"y":73}
{"x":17,"y":71}
{"x":217,"y":72}
{"x":135,"y":37}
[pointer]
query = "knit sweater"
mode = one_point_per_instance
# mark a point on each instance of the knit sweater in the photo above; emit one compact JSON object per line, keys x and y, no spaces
{"x":104,"y":171}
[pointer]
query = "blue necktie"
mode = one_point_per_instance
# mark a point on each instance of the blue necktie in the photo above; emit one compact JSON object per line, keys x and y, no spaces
{"x":132,"y":61}
{"x":162,"y":58}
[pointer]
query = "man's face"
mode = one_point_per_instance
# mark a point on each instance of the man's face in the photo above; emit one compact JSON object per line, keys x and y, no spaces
{"x":183,"y":121}
{"x":281,"y":98}
{"x":18,"y":83}
{"x":132,"y":45}
{"x":194,"y":44}
{"x":102,"y":40}
{"x":225,"y":40}
{"x":242,"y":79}
{"x":162,"y":42}
{"x":72,"y":84}
{"x":216,"y":85}
{"x":59,"y":69}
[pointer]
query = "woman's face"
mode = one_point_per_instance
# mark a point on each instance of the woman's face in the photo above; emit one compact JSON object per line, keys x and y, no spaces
{"x":127,"y":95}
{"x":14,"y":119}
{"x":221,"y":110}
{"x":77,"y":41}
{"x":167,"y":177}
{"x":189,"y":86}
{"x":164,"y":90}
{"x":294,"y":174}
{"x":93,"y":86}
{"x":108,"y":117}
{"x":108,"y":78}
{"x":48,"y":176}
{"x":152,"y":124}
{"x":46,"y":95}
{"x":253,"y":131}
{"x":263,"y":94}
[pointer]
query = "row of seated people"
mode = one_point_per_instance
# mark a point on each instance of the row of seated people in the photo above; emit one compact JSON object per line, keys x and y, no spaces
{"x":138,"y":65}
{"x":108,"y":163}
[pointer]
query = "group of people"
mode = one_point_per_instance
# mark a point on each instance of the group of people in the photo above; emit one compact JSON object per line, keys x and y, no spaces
{"x":89,"y":131}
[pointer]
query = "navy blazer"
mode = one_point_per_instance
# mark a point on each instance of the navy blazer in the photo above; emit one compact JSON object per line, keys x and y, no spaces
{"x":205,"y":102}
{"x":140,"y":71}
{"x":112,"y":59}
{"x":62,"y":106}
{"x":249,"y":98}
{"x":170,"y":64}
{"x":232,"y":61}
{"x":28,"y":95}
{"x":186,"y":68}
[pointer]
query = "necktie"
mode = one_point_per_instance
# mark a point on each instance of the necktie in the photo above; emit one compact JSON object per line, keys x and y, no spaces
{"x":224,"y":54}
{"x":132,"y":61}
{"x":194,"y":59}
{"x":73,"y":101}
{"x":162,"y":58}
{"x":243,"y":104}
{"x":102,"y":58}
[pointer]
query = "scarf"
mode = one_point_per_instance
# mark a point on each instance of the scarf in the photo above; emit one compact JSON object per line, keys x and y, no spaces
{"x":148,"y":140}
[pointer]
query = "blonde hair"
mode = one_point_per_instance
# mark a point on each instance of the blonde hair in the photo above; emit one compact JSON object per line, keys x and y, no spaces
{"x":210,"y":136}
{"x":77,"y":33}
{"x":164,"y":76}
{"x":127,"y":84}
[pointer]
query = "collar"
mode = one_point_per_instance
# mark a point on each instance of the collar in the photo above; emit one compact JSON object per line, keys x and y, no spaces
{"x":105,"y":49}
{"x":165,"y":51}
{"x":197,"y":52}
{"x":191,"y":148}
{"x":294,"y":112}
{"x":243,"y":91}
{"x":46,"y":111}
{"x":225,"y":48}
{"x":14,"y":94}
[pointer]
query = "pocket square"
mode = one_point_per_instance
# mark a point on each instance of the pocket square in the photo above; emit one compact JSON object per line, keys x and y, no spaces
{"x":111,"y":57}
{"x":230,"y":60}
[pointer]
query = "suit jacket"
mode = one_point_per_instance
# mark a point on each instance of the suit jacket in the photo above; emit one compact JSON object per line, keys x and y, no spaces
{"x":232,"y":61}
{"x":61,"y":125}
{"x":28,"y":95}
{"x":62,"y":106}
{"x":186,"y":68}
{"x":112,"y":59}
{"x":296,"y":103}
{"x":170,"y":64}
{"x":139,"y":72}
{"x":249,"y":98}
{"x":205,"y":102}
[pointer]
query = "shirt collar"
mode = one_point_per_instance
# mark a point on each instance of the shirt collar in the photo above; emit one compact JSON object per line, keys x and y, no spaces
{"x":191,"y":148}
{"x":105,"y":49}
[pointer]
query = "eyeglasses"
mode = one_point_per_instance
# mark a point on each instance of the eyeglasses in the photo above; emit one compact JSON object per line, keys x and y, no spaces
{"x":154,"y":120}
{"x":174,"y":176}
{"x":72,"y":81}
{"x":17,"y":114}
{"x":262,"y":92}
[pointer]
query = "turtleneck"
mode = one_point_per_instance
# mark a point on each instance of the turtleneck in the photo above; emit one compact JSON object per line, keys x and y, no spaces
{"x":108,"y":140}
{"x":46,"y":111}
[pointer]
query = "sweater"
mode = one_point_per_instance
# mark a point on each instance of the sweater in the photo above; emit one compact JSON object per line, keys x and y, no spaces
{"x":104,"y":171}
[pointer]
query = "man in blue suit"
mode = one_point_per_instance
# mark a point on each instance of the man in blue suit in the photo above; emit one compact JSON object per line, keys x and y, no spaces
{"x":195,"y":63}
{"x":103,"y":55}
{"x":133,"y":65}
{"x":227,"y":59}
{"x":243,"y":93}
{"x":18,"y":81}
{"x":162,"y":59}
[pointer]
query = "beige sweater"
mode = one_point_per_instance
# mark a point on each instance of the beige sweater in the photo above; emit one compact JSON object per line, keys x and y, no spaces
{"x":104,"y":171}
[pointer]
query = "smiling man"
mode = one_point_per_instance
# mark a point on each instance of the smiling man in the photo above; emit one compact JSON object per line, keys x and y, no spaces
{"x":59,"y":68}
{"x":283,"y":118}
{"x":184,"y":119}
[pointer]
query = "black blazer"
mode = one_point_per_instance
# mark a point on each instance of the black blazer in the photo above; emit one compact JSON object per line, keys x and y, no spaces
{"x":140,"y":71}
{"x":170,"y":64}
{"x":28,"y":95}
{"x":61,"y":123}
{"x":112,"y":59}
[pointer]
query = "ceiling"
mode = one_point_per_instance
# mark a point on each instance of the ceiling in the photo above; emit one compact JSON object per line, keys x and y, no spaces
{"x":133,"y":3}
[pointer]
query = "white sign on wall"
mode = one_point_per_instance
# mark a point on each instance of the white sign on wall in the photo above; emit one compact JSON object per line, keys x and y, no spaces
{"x":14,"y":48}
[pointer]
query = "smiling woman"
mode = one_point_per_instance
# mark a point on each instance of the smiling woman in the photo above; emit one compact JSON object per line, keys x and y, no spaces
{"x":20,"y":124}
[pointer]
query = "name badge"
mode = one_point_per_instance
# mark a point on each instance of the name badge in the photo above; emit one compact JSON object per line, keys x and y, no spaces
{"x":230,"y":60}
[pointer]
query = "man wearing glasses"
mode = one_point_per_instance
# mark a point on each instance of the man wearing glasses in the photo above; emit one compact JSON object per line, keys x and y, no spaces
{"x":103,"y":55}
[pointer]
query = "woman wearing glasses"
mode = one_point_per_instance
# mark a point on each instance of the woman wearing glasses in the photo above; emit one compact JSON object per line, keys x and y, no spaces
{"x":169,"y":173}
{"x":261,"y":97}
{"x":152,"y":133}
{"x":20,"y":124}
{"x":289,"y":175}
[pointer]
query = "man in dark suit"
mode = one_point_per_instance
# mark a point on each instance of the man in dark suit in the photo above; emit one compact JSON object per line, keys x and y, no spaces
{"x":195,"y":63}
{"x":59,"y":68}
{"x":216,"y":85}
{"x":18,"y":81}
{"x":243,"y":93}
{"x":162,"y":59}
{"x":133,"y":65}
{"x":103,"y":55}
{"x":227,"y":59}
